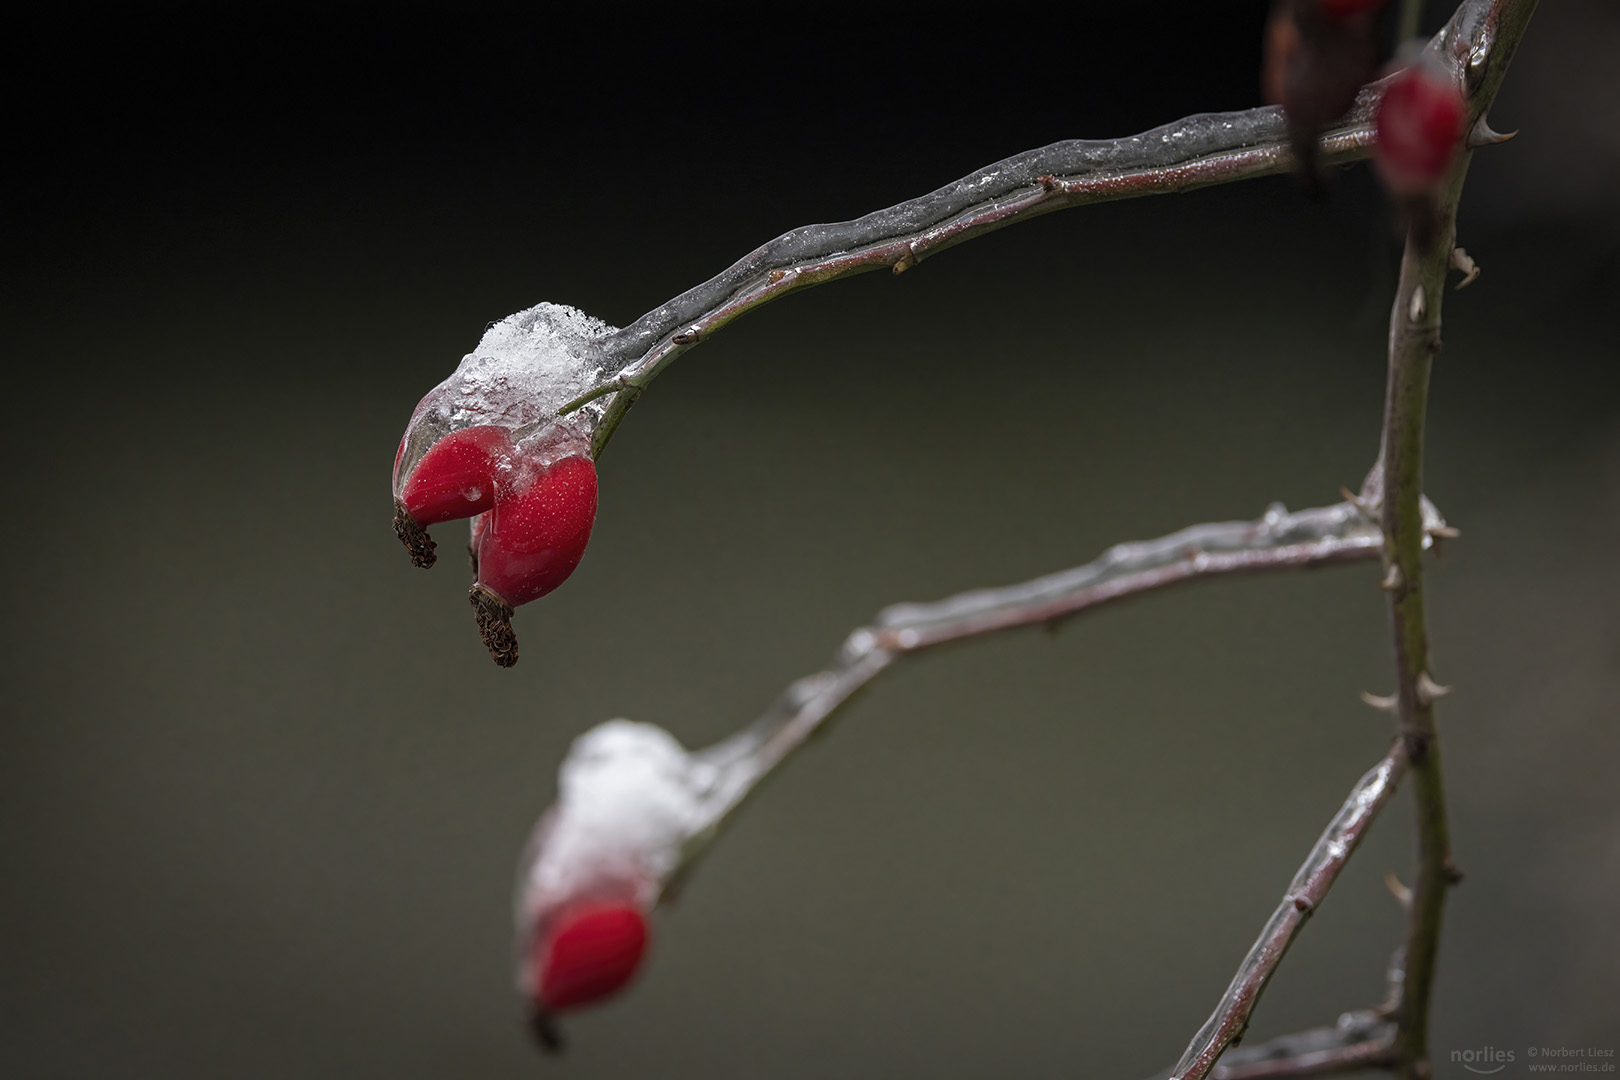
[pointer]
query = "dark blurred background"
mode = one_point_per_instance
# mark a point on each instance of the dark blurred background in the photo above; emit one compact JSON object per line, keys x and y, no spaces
{"x":261,"y":790}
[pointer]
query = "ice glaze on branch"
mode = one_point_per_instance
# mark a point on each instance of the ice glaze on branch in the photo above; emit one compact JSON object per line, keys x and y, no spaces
{"x":1197,"y":151}
{"x":1194,"y":152}
{"x":1277,"y":541}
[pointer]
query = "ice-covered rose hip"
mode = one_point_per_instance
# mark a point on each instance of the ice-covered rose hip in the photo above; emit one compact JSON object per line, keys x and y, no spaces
{"x":531,"y":540}
{"x":487,"y":443}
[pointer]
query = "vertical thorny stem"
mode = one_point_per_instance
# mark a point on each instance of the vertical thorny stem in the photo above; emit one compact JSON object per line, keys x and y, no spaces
{"x":1414,"y":341}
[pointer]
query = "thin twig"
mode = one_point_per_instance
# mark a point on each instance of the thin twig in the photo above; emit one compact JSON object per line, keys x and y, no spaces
{"x":1305,"y":893}
{"x":1478,"y":55}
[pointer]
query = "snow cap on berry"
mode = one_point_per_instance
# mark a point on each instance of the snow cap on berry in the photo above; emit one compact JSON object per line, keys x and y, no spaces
{"x":524,"y":369}
{"x":630,"y":811}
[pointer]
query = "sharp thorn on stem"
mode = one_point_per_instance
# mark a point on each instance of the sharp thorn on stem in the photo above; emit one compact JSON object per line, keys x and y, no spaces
{"x":1382,"y":704}
{"x":1445,"y":532}
{"x":1400,"y":892}
{"x":1429,"y":691}
{"x":1368,"y":510}
{"x":1482,"y":135}
{"x":1461,"y":260}
{"x":1419,"y":306}
{"x":1392,"y":578}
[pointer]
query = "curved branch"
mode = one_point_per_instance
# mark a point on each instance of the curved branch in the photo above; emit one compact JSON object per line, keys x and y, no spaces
{"x":1197,"y":151}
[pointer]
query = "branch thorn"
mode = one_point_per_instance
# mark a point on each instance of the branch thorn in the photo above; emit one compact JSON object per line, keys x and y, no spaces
{"x":1482,"y":135}
{"x":1461,"y":260}
{"x":1368,"y":510}
{"x":1393,"y":578}
{"x":1429,"y":691}
{"x":1382,"y":704}
{"x":1445,"y":532}
{"x":1400,"y":892}
{"x":1419,"y":306}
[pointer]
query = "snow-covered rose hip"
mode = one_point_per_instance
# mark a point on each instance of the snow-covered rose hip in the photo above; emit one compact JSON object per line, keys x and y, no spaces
{"x":487,"y":443}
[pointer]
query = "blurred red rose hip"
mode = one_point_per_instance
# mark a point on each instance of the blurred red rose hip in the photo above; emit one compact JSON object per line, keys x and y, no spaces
{"x":1419,"y":129}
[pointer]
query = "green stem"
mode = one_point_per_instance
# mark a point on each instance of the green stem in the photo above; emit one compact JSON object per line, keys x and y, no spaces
{"x":1414,"y":342}
{"x":1409,"y":23}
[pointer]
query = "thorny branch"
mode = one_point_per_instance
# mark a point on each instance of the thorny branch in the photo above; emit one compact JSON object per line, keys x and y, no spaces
{"x":1277,"y":541}
{"x":1477,"y":45}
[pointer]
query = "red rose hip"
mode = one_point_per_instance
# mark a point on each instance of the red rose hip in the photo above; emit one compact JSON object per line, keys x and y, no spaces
{"x":590,"y":954}
{"x":1419,"y":129}
{"x":1340,"y":10}
{"x":536,"y":536}
{"x":531,"y":541}
{"x":456,"y":478}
